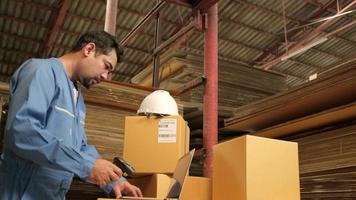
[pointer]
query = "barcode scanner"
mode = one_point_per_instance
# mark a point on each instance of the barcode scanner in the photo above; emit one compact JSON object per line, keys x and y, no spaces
{"x":126,"y":168}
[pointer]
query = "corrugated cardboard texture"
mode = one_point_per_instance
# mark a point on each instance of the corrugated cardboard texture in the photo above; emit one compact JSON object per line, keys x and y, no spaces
{"x":143,"y":150}
{"x":155,"y":185}
{"x":229,"y":174}
{"x":196,"y":188}
{"x":255,"y":168}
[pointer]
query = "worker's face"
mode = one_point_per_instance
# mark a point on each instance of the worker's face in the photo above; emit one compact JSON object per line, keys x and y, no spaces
{"x":96,"y":67}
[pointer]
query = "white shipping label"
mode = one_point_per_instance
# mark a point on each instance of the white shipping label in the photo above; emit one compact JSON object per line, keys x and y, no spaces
{"x":167,"y":131}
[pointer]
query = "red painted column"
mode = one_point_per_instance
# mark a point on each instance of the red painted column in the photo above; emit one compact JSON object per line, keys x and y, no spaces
{"x":210,"y":130}
{"x":110,"y":16}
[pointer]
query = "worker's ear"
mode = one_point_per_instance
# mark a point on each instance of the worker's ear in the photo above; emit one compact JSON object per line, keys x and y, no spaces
{"x":89,"y":49}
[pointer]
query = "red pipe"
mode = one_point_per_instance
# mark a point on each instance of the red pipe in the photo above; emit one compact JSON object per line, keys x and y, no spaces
{"x":110,"y":16}
{"x":312,"y":35}
{"x":142,"y":24}
{"x":210,"y":129}
{"x":294,"y":32}
{"x":59,"y":17}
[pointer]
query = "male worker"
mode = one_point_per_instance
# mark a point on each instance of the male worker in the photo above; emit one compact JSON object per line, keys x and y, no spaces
{"x":45,"y":144}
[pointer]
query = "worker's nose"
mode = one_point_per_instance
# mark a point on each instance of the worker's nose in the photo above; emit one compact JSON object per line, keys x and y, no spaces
{"x":104,"y":76}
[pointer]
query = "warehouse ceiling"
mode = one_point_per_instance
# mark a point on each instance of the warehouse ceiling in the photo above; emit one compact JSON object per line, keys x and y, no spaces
{"x":252,"y":33}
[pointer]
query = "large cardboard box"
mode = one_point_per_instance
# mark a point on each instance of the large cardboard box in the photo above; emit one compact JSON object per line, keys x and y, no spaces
{"x":157,"y":186}
{"x":255,"y":168}
{"x":155,"y":144}
{"x":196,"y":188}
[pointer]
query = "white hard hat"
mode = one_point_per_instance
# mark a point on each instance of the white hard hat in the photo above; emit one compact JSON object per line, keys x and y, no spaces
{"x":158,"y":102}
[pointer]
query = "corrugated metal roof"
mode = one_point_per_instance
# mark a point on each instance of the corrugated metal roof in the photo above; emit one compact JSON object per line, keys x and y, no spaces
{"x":247,"y":30}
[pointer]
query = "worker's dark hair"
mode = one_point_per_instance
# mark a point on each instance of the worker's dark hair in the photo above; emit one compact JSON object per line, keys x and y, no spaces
{"x":104,"y":43}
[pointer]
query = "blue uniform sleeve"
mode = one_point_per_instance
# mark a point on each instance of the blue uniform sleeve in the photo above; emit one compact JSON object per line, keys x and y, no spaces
{"x":32,"y":90}
{"x":90,"y":150}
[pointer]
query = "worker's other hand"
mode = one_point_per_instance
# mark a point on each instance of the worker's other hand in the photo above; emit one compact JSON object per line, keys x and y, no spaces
{"x":127,"y":189}
{"x":104,"y":172}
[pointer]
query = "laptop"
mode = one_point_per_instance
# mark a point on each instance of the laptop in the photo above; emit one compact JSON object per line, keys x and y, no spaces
{"x":177,"y":181}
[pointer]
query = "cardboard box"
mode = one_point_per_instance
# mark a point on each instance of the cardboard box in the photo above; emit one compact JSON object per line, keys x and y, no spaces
{"x":156,"y":185}
{"x":155,"y":144}
{"x":255,"y":168}
{"x":196,"y":188}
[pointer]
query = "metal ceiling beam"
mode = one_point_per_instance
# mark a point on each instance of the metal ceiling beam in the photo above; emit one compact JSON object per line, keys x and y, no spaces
{"x":326,"y":24}
{"x":122,"y":9}
{"x":90,"y":20}
{"x":260,"y":50}
{"x":268,"y":52}
{"x":131,"y":11}
{"x":292,"y":33}
{"x":175,"y":37}
{"x":264,"y":52}
{"x":245,"y":63}
{"x":223,"y":58}
{"x":184,"y":3}
{"x":332,"y":9}
{"x":142,"y":23}
{"x":189,"y":85}
{"x":184,"y":22}
{"x":202,"y":5}
{"x":157,"y":42}
{"x":193,"y":21}
{"x":291,"y":20}
{"x":306,"y":40}
{"x":275,"y":47}
{"x":58,"y":17}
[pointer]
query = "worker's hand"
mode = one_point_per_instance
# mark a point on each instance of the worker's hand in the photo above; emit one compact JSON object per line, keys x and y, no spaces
{"x":126,"y":188}
{"x":104,"y":172}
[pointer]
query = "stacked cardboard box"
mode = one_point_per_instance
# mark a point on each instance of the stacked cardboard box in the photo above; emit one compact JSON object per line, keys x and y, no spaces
{"x":157,"y":186}
{"x":153,"y":145}
{"x":254,"y":168}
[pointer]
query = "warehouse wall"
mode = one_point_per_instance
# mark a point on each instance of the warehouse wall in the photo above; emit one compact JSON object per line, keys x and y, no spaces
{"x":327,"y":158}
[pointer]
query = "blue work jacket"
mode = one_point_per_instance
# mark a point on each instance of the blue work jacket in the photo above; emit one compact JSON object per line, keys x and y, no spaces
{"x":45,"y":144}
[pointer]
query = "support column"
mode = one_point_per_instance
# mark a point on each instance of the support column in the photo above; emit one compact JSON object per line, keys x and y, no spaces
{"x":156,"y":56}
{"x":110,"y":16}
{"x":210,"y":130}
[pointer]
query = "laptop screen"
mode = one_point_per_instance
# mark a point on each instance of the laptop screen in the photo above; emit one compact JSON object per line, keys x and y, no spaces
{"x":180,"y":173}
